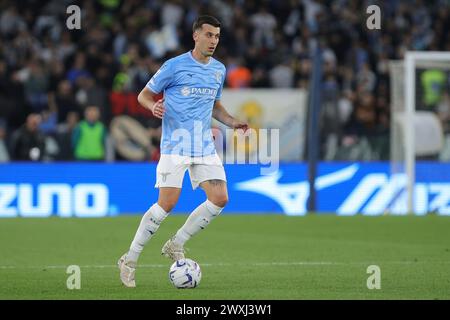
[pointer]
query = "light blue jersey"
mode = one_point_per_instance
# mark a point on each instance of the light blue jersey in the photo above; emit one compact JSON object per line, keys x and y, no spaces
{"x":190,"y":90}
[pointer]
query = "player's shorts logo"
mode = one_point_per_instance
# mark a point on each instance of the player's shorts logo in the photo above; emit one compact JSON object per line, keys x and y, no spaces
{"x":164,"y":175}
{"x":185,"y":91}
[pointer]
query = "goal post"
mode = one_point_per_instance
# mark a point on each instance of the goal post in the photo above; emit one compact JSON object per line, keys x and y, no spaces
{"x":406,"y":120}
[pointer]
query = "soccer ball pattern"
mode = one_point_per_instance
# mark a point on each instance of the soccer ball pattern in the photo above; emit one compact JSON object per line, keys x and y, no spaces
{"x":185,"y":273}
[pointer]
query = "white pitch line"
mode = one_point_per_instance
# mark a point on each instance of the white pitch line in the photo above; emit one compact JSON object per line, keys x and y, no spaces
{"x":219,"y":264}
{"x":225,"y":264}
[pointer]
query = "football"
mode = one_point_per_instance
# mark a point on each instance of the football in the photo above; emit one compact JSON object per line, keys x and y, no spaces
{"x":185,"y":274}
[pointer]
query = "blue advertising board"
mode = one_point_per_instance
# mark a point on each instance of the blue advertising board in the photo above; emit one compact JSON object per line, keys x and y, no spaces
{"x":102,"y":189}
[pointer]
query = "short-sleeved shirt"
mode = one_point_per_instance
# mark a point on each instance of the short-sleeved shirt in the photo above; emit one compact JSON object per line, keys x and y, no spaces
{"x":190,"y":91}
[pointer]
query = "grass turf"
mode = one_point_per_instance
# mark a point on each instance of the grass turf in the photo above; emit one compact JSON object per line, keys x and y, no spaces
{"x":242,"y":257}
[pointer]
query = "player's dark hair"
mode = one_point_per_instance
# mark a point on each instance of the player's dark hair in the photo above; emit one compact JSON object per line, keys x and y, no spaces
{"x":205,"y":19}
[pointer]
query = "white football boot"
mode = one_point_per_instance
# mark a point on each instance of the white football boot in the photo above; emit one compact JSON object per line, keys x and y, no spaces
{"x":127,"y":271}
{"x":172,"y":251}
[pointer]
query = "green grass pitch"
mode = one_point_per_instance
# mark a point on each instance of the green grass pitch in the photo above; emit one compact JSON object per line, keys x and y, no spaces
{"x":241,"y":256}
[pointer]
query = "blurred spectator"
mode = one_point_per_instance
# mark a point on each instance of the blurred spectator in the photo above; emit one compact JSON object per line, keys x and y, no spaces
{"x":4,"y":154}
{"x":28,"y":142}
{"x":366,"y":78}
{"x":282,"y":75}
{"x":238,"y":75}
{"x":7,"y":106}
{"x":49,"y":121}
{"x":241,"y":46}
{"x":345,"y":106}
{"x":65,"y":47}
{"x":78,"y":69}
{"x":65,"y":101}
{"x":161,"y":41}
{"x":89,"y":137}
{"x":64,"y":136}
{"x":364,"y":136}
{"x":11,"y":22}
{"x":36,"y":86}
{"x":312,"y":10}
{"x":433,"y":83}
{"x":263,"y":23}
{"x":172,"y":13}
{"x":260,"y":78}
{"x":49,"y":116}
{"x":90,"y":93}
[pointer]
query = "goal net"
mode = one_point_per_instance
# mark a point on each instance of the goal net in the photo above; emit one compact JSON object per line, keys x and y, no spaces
{"x":420,"y":114}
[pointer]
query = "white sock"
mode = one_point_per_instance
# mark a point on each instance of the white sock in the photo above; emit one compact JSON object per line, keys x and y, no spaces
{"x":197,"y":220}
{"x":149,"y":225}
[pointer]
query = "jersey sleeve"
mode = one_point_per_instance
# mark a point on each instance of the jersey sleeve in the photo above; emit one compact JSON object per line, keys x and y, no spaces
{"x":162,"y":78}
{"x":219,"y":92}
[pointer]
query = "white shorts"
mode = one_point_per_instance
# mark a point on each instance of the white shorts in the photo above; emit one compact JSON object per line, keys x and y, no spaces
{"x":171,"y":169}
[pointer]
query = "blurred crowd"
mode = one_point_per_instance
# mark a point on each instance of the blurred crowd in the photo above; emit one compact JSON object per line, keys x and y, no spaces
{"x":71,"y":94}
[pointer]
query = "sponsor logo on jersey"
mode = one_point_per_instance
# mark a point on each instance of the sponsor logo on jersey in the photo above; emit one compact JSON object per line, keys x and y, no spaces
{"x":199,"y":92}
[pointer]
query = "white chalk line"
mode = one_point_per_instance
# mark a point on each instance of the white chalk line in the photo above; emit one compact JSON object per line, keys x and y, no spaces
{"x":225,"y":264}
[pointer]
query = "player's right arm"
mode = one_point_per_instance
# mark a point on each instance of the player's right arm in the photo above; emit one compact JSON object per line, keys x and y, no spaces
{"x":147,"y":99}
{"x":158,"y":83}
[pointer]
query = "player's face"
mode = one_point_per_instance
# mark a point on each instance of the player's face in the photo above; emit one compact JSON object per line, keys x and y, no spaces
{"x":206,"y":39}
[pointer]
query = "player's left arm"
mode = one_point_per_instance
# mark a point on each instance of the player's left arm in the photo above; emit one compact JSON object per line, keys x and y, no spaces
{"x":220,"y":114}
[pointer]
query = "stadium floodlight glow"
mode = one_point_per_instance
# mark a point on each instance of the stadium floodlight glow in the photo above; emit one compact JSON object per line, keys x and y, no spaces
{"x":404,"y":106}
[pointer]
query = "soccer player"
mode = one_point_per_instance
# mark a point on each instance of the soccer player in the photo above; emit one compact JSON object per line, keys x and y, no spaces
{"x":192,"y":83}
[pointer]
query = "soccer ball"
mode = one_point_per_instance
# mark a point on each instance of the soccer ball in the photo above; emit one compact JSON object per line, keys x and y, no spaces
{"x":185,"y":273}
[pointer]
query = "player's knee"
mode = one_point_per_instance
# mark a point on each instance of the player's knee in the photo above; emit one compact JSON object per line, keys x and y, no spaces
{"x":220,"y":200}
{"x":167,"y":205}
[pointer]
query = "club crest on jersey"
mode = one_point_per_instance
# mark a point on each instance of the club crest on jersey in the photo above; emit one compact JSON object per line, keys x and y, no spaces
{"x":218,"y":76}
